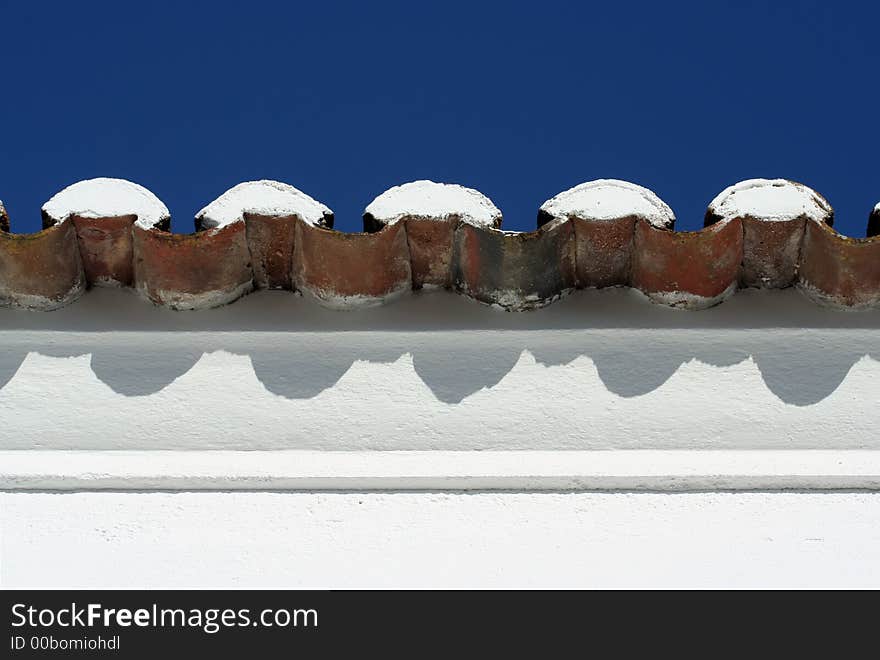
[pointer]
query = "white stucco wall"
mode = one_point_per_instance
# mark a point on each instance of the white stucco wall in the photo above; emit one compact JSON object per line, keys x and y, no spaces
{"x":443,"y":540}
{"x":600,"y":392}
{"x":600,"y":370}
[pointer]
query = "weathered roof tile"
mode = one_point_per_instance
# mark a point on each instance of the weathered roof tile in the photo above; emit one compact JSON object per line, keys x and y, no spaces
{"x":41,"y":271}
{"x":768,"y":233}
{"x":103,"y":211}
{"x":514,"y":270}
{"x":838,"y":271}
{"x":269,"y":210}
{"x":773,"y":213}
{"x":689,"y":270}
{"x":343,"y":271}
{"x":431,"y":212}
{"x":874,"y":222}
{"x":607,"y":200}
{"x":604,"y":213}
{"x":4,"y":218}
{"x":192,"y":271}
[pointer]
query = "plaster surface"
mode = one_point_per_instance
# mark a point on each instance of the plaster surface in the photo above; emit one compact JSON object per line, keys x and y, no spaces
{"x":601,"y":370}
{"x":601,"y":391}
{"x":635,"y":470}
{"x":443,"y":540}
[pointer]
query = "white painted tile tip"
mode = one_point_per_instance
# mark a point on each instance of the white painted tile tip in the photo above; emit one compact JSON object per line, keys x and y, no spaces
{"x":191,"y":302}
{"x":684,"y":300}
{"x":342,"y":303}
{"x":434,"y":200}
{"x":264,"y":197}
{"x":40,"y":303}
{"x":865,"y":303}
{"x":104,"y":198}
{"x":774,"y":200}
{"x":610,"y":199}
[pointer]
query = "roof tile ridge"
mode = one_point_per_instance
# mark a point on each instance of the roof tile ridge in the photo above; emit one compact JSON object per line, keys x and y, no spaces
{"x":766,"y":233}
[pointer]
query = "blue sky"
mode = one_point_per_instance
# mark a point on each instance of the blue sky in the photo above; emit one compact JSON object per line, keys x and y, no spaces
{"x":520,"y":101}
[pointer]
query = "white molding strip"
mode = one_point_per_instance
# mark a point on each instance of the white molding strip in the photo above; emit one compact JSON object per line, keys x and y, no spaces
{"x":439,"y":470}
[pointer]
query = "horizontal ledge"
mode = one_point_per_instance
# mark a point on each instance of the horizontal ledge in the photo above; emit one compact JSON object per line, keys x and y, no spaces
{"x":118,"y":310}
{"x":658,"y":470}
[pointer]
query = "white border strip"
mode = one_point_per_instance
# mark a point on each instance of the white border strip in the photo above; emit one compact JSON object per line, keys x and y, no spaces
{"x":439,"y":470}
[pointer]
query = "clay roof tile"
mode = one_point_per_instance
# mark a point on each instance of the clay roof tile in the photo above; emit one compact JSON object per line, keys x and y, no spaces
{"x":768,"y":233}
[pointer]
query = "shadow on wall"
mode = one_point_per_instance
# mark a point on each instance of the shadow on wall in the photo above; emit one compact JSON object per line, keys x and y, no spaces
{"x":458,"y":347}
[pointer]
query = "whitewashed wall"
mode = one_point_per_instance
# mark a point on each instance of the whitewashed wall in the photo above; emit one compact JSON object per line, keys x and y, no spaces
{"x":439,"y":540}
{"x":765,"y":391}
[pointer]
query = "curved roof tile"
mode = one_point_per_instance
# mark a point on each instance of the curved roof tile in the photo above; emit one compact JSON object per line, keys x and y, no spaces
{"x":769,"y":233}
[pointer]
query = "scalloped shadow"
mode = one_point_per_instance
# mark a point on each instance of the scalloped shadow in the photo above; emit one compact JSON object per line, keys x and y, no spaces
{"x":458,"y":347}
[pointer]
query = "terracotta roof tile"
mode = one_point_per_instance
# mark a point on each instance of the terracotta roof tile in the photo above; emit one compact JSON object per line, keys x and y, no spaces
{"x":4,"y":218}
{"x":774,"y":213}
{"x":515,"y":270}
{"x":840,"y":271}
{"x":192,"y":271}
{"x":103,"y":212}
{"x":768,"y":233}
{"x":42,"y":270}
{"x":691,"y":270}
{"x":431,"y":212}
{"x":342,"y":270}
